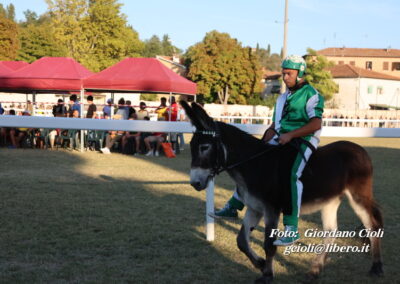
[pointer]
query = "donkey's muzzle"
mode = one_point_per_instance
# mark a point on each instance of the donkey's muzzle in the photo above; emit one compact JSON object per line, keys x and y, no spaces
{"x":197,"y":185}
{"x":199,"y":178}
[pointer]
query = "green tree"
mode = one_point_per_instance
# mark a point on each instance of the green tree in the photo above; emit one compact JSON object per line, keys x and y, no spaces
{"x":223,"y":69}
{"x":37,"y":38}
{"x":273,"y":62}
{"x":153,"y":47}
{"x":9,"y":42}
{"x":68,"y":25}
{"x":10,"y":12}
{"x":108,"y":36}
{"x":134,"y":46}
{"x":30,"y":18}
{"x":318,"y":75}
{"x":167,"y":47}
{"x":94,"y":32}
{"x":267,"y":60}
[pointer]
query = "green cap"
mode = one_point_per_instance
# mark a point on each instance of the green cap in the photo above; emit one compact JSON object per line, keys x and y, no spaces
{"x":295,"y":62}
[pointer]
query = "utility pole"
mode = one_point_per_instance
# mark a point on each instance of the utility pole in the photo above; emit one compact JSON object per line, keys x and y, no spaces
{"x":284,"y":50}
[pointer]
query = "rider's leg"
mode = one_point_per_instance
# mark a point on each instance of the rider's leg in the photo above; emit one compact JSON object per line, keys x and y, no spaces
{"x":296,"y":186}
{"x":231,"y":207}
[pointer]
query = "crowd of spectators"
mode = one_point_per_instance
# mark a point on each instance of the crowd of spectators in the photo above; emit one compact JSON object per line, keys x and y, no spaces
{"x":133,"y":143}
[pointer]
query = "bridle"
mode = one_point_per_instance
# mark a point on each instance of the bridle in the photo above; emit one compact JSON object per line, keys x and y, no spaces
{"x":221,"y":166}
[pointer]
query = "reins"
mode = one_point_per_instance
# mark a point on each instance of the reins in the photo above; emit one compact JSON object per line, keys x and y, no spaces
{"x":296,"y":143}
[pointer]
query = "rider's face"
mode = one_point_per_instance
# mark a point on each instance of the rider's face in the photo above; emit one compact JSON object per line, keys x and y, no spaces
{"x":289,"y":77}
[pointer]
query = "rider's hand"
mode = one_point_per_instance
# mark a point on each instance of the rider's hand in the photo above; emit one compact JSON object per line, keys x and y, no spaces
{"x":285,"y":138}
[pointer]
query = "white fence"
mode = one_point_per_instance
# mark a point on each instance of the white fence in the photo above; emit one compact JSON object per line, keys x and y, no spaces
{"x":184,"y":127}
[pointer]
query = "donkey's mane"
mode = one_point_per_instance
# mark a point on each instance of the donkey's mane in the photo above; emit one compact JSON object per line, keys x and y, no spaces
{"x":236,"y":138}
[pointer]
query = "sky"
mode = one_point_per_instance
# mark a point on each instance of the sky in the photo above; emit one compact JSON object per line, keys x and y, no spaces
{"x":316,"y":24}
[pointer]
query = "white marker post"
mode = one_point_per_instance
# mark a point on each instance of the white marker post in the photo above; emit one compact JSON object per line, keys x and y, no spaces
{"x":210,"y":209}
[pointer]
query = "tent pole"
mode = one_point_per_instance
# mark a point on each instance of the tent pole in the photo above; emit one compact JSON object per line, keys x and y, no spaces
{"x":82,"y":109}
{"x":169,"y":116}
{"x":33,"y":103}
{"x":112,"y":106}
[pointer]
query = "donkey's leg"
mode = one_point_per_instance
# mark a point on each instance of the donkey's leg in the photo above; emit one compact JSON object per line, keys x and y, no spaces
{"x":329,"y":223}
{"x":250,"y":221}
{"x":271,"y":222}
{"x":371,"y":217}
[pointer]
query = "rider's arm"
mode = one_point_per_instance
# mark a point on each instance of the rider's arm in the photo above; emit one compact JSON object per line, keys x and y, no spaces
{"x":313,"y":125}
{"x":269,"y":133}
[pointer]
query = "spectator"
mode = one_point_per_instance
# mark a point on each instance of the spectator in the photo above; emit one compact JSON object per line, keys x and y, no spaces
{"x":91,"y":112}
{"x":131,"y":110}
{"x":112,"y":137}
{"x":59,"y":110}
{"x":22,"y":132}
{"x":142,"y":112}
{"x":157,"y":137}
{"x":381,"y":122}
{"x":107,"y":109}
{"x":7,"y":132}
{"x":73,"y":105}
{"x":75,"y":113}
{"x":172,"y":111}
{"x":161,"y":110}
{"x":1,"y":110}
{"x":181,"y":117}
{"x":122,"y":110}
{"x":29,"y":107}
{"x":130,"y":142}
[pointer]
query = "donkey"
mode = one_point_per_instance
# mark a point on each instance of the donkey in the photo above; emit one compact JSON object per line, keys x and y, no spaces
{"x":337,"y":169}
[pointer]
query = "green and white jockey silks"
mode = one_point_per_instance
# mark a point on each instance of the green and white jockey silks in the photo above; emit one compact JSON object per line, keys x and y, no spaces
{"x":292,"y":111}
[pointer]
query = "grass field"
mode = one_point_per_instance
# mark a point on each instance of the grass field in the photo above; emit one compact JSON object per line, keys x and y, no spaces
{"x":92,"y":218}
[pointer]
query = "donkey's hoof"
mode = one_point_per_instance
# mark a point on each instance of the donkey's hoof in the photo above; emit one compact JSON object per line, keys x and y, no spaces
{"x":264,"y":279}
{"x":376,"y":269}
{"x":315,"y":271}
{"x":310,"y":277}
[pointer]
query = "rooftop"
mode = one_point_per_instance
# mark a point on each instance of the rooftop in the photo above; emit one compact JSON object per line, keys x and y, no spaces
{"x":349,"y":71}
{"x":359,"y":52}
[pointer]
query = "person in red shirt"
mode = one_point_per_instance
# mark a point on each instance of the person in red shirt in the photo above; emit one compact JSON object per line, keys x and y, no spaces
{"x":172,"y":111}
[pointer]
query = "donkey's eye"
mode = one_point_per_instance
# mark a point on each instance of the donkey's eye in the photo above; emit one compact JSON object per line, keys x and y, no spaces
{"x":204,"y":148}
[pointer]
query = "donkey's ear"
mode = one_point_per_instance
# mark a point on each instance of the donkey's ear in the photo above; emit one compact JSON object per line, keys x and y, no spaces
{"x":192,"y":115}
{"x":205,"y":120}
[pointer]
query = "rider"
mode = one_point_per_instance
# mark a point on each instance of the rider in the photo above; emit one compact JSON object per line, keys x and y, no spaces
{"x":297,"y":113}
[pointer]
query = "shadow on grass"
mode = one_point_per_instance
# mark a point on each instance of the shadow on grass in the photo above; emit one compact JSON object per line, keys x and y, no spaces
{"x":59,"y":225}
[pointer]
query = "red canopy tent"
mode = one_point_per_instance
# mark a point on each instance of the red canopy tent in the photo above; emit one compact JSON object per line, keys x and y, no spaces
{"x":139,"y":75}
{"x":14,"y":65}
{"x":45,"y":75}
{"x":4,"y":70}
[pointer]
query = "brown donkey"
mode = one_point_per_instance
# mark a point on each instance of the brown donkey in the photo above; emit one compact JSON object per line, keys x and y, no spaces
{"x":259,"y":171}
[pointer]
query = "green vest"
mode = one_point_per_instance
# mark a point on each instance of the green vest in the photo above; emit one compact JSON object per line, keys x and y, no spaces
{"x":294,"y":110}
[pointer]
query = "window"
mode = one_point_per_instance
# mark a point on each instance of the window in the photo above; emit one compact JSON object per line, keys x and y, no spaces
{"x":379,"y":90}
{"x":370,"y":89}
{"x":352,"y":63}
{"x":341,"y":62}
{"x":385,"y":66}
{"x":368,"y":65}
{"x":396,"y":66}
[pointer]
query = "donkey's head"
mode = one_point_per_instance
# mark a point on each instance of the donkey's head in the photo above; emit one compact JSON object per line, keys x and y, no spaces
{"x":206,"y":147}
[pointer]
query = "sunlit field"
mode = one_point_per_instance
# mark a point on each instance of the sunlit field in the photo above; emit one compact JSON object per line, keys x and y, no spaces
{"x":86,"y":217}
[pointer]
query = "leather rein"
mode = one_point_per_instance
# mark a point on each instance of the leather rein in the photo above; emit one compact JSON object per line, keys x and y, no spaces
{"x":219,"y":167}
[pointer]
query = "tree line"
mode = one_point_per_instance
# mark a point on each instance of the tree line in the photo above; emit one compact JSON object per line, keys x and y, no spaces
{"x":96,"y":34}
